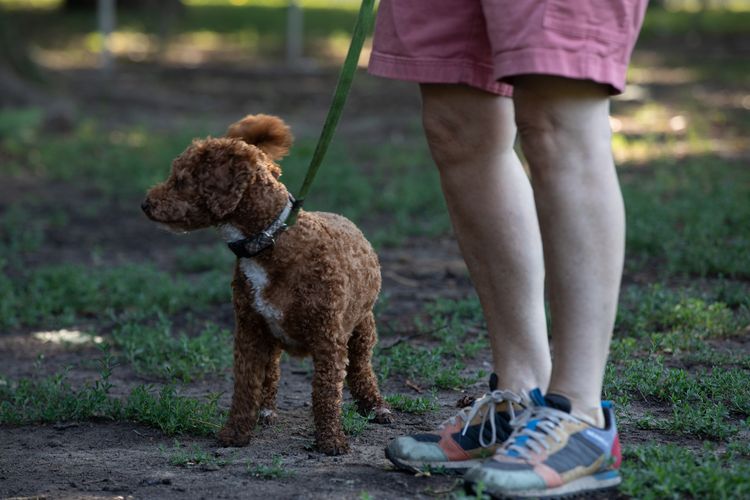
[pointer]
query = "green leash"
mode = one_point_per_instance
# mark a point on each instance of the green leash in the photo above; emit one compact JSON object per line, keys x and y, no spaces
{"x":361,"y":28}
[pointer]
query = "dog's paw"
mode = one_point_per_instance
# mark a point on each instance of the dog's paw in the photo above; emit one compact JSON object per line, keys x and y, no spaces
{"x":267,"y":417}
{"x":383,"y":415}
{"x":333,"y":446}
{"x":230,"y":436}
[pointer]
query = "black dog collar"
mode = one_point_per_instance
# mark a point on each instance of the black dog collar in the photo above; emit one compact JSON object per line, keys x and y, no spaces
{"x":251,"y":246}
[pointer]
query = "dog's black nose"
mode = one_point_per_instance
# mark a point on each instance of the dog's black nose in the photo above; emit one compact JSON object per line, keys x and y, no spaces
{"x":146,"y":206}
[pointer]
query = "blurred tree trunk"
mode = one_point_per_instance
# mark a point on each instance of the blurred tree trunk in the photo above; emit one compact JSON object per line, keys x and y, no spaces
{"x":22,"y":83}
{"x":17,"y":71}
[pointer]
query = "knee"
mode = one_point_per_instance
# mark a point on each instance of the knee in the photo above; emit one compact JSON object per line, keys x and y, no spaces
{"x":446,"y":134}
{"x":562,"y":136}
{"x":461,"y":127}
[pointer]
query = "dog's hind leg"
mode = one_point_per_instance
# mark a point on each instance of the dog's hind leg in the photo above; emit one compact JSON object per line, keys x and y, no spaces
{"x":251,"y":357}
{"x":361,"y":379}
{"x":329,"y":361}
{"x":268,"y":415}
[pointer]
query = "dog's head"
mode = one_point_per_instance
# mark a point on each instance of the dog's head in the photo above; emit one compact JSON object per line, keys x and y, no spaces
{"x":212,"y":177}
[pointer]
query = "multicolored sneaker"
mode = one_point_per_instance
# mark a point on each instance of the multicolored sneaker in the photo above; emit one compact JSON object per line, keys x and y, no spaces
{"x":551,"y":454}
{"x":463,"y":440}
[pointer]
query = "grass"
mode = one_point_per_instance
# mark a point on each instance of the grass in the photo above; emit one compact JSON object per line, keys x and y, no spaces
{"x":419,"y":405}
{"x":694,"y":314}
{"x":691,"y":218}
{"x":661,"y":358}
{"x":63,"y":294}
{"x":53,"y":399}
{"x":122,"y":163}
{"x":717,"y":22}
{"x":706,"y":404}
{"x":157,"y":350}
{"x":658,"y":471}
{"x":433,"y":366}
{"x":182,"y":456}
{"x":19,"y":233}
{"x":274,"y":470}
{"x":203,"y":259}
{"x":458,"y":334}
{"x":352,"y":421}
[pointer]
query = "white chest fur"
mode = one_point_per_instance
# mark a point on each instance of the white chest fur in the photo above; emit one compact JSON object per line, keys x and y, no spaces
{"x":258,"y":279}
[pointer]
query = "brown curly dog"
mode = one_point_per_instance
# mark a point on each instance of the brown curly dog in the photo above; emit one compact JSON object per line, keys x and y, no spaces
{"x":308,"y":289}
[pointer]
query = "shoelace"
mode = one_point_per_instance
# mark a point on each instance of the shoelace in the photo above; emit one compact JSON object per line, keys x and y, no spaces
{"x":490,"y":401}
{"x":532,"y":429}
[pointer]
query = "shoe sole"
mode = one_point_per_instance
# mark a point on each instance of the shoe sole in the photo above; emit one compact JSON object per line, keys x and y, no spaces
{"x":417,"y":467}
{"x":581,"y":487}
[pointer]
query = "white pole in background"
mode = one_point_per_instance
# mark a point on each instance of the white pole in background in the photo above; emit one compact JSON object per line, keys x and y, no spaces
{"x":294,"y":34}
{"x":106,"y":17}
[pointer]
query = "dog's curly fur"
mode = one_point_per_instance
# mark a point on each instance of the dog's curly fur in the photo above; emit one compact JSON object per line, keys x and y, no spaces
{"x":311,"y":294}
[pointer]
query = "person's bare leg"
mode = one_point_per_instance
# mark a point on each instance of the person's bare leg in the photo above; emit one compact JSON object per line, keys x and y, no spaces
{"x":566,"y":138}
{"x":489,"y":198}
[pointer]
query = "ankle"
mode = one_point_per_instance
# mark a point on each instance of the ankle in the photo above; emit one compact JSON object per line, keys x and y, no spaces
{"x":583,"y":409}
{"x":593,"y":416}
{"x":521,"y":381}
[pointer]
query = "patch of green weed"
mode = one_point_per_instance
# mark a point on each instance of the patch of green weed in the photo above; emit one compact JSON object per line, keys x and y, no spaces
{"x":459,"y":329}
{"x":704,"y":403}
{"x":19,"y":125}
{"x":120,"y":163}
{"x":202,"y":259}
{"x":434,"y":366}
{"x":409,"y":193}
{"x":276,"y":470}
{"x":352,"y":421}
{"x":418,"y":405}
{"x":20,"y":233}
{"x":658,"y":309}
{"x":11,"y":301}
{"x":157,"y":350}
{"x":735,"y":294}
{"x":657,"y":471}
{"x":690,"y":219}
{"x":458,"y":325}
{"x":53,"y":399}
{"x":183,"y":456}
{"x":174,"y":414}
{"x":661,"y":22}
{"x":63,"y":293}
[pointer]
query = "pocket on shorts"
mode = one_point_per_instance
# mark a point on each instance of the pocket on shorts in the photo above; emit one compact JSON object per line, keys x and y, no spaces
{"x":605,"y":20}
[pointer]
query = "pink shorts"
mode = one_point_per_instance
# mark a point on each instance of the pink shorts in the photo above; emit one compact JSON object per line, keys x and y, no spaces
{"x":485,"y":43}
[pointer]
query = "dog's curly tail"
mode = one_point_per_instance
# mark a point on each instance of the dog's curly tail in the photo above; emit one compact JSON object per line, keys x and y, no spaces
{"x":268,"y":133}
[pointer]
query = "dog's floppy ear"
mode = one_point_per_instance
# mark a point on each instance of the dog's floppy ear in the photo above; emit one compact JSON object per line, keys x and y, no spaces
{"x":268,"y":133}
{"x":226,"y":180}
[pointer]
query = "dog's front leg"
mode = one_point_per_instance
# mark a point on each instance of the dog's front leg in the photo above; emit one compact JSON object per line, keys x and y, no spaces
{"x":328,"y":384}
{"x":268,"y":415}
{"x":252,"y":352}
